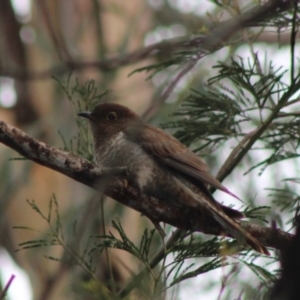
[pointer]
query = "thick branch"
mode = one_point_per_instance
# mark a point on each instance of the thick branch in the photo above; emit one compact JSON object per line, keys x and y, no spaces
{"x":119,"y":189}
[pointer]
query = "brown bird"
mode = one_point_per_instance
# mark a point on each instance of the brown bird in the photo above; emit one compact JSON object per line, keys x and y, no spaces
{"x":160,"y":166}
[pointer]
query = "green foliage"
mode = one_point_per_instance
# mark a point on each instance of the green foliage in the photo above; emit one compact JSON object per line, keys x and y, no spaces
{"x":177,"y":264}
{"x":55,"y":236}
{"x":236,"y":99}
{"x":245,"y":103}
{"x":286,"y":200}
{"x":232,"y":101}
{"x":254,"y":87}
{"x":207,"y":116}
{"x":141,"y":252}
{"x":215,"y":263}
{"x":81,"y":97}
{"x":258,"y":213}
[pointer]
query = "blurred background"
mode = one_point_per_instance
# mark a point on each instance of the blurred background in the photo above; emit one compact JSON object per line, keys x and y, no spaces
{"x":46,"y":49}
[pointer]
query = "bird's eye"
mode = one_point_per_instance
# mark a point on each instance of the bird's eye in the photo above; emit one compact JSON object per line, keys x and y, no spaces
{"x":112,"y":116}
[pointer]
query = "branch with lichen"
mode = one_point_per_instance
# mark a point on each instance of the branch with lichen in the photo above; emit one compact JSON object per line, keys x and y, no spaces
{"x":116,"y":186}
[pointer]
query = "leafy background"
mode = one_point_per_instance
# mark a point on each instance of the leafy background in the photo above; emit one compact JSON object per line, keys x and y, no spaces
{"x":59,"y":57}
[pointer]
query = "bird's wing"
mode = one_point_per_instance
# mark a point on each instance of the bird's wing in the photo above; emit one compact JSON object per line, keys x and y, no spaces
{"x":170,"y":151}
{"x":177,"y":156}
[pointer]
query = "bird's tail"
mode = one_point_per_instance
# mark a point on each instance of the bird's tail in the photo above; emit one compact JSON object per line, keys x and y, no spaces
{"x":194,"y":196}
{"x":235,"y":230}
{"x":231,"y":226}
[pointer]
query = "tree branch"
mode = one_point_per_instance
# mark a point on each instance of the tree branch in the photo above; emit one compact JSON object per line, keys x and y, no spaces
{"x":215,"y":39}
{"x":118,"y":188}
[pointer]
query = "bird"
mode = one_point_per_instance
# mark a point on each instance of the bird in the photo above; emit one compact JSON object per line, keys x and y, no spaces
{"x":159,"y":165}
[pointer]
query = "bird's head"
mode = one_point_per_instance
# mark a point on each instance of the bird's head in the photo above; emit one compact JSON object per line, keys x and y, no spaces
{"x":108,"y":119}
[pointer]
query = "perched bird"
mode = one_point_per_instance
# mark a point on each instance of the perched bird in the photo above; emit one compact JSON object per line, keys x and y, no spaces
{"x":160,"y":166}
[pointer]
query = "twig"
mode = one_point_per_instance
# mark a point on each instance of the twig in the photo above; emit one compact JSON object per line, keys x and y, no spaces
{"x":156,"y":103}
{"x":56,"y":37}
{"x":153,"y":263}
{"x":4,"y":292}
{"x":226,"y":165}
{"x":211,"y":42}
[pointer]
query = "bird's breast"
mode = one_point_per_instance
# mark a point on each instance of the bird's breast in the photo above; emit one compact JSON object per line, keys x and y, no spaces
{"x":119,"y":152}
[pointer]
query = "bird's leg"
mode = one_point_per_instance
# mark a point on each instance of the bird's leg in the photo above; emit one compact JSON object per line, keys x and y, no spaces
{"x":108,"y":173}
{"x":158,"y":228}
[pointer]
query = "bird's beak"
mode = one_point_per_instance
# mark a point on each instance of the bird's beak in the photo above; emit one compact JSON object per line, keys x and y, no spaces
{"x":85,"y":114}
